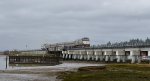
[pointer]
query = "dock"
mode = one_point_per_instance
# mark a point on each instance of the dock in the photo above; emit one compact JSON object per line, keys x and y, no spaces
{"x":45,"y":59}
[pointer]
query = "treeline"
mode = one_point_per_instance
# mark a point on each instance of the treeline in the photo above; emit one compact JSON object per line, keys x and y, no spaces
{"x":130,"y":43}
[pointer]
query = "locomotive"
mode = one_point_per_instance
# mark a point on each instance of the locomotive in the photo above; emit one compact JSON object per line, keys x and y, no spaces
{"x":81,"y":43}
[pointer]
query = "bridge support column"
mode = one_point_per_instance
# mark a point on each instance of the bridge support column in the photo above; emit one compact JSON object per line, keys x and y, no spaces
{"x":119,"y":58}
{"x":139,"y":59}
{"x":97,"y":58}
{"x":97,"y":55}
{"x":93,"y":57}
{"x":120,"y":54}
{"x":81,"y":55}
{"x":106,"y":58}
{"x":63,"y":56}
{"x":111,"y":58}
{"x":78,"y":56}
{"x":66,"y":56}
{"x":101,"y":57}
{"x":88,"y":57}
{"x":133,"y":60}
{"x":74,"y":56}
{"x":69,"y":56}
{"x":107,"y":55}
{"x":135,"y":54}
{"x":124,"y":58}
{"x":84,"y":57}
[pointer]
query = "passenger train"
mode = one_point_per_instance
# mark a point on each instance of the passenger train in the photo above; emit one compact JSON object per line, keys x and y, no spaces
{"x":80,"y":43}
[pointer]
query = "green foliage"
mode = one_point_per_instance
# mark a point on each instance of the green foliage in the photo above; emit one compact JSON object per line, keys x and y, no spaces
{"x":132,"y":42}
{"x":117,"y":72}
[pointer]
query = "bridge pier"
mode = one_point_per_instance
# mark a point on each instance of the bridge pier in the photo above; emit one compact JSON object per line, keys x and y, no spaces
{"x":69,"y":56}
{"x":124,"y":58}
{"x":63,"y":53}
{"x":120,"y":54}
{"x":74,"y":56}
{"x":134,"y":55}
{"x":112,"y":58}
{"x":81,"y":57}
{"x":85,"y":56}
{"x":107,"y":55}
{"x":97,"y":58}
{"x":93,"y":57}
{"x":66,"y":56}
{"x":78,"y":56}
{"x":98,"y":55}
{"x":106,"y":58}
{"x":101,"y":57}
{"x":139,"y":59}
{"x":88,"y":57}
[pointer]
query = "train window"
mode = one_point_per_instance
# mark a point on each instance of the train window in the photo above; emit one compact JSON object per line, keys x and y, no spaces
{"x":85,"y":39}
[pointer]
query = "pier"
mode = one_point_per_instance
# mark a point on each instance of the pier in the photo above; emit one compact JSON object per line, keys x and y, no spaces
{"x":53,"y":58}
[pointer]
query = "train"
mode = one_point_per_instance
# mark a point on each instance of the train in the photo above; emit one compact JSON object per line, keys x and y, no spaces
{"x":79,"y":43}
{"x":82,"y":43}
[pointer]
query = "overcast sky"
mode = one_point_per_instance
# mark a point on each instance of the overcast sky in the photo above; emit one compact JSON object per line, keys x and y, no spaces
{"x":35,"y":22}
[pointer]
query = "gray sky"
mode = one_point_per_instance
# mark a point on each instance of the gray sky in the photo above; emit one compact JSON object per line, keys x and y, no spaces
{"x":35,"y":22}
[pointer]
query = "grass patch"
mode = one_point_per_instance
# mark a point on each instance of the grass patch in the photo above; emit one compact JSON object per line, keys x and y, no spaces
{"x":112,"y":72}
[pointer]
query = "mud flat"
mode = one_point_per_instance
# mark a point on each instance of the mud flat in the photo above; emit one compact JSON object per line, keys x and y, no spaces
{"x":41,"y":73}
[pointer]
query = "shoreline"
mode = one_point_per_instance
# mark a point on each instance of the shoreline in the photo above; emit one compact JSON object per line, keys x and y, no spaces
{"x":43,"y":73}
